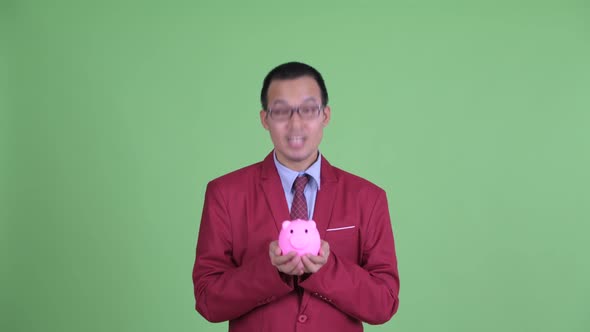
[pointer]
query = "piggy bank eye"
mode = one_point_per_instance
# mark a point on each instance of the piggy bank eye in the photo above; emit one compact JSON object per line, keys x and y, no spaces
{"x":306,"y":231}
{"x":291,"y":231}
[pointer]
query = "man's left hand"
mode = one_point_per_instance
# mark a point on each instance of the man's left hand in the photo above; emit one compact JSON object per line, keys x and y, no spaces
{"x":312,"y":263}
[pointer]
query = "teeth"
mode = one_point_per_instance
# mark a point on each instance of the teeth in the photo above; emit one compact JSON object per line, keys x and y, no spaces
{"x":295,"y":138}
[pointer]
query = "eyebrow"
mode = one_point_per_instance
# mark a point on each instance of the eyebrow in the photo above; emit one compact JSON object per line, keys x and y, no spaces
{"x":282,"y":101}
{"x":309,"y":98}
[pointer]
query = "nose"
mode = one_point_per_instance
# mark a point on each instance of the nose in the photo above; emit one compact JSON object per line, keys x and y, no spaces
{"x":295,"y":120}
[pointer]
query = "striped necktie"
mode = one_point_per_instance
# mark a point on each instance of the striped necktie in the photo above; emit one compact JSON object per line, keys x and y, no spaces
{"x":299,"y":204}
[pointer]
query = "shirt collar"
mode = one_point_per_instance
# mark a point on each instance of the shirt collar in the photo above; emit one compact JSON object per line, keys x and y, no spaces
{"x":288,"y":175}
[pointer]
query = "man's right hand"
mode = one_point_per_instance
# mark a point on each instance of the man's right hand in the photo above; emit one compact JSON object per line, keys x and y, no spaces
{"x":288,"y":264}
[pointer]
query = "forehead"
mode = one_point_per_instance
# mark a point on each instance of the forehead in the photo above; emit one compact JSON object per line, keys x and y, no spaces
{"x":294,"y":91}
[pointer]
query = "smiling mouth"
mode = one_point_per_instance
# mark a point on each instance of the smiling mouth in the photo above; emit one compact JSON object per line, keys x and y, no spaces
{"x":295,"y":141}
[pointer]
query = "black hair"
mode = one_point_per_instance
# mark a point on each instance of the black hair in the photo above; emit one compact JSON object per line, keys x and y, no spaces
{"x":292,"y":70}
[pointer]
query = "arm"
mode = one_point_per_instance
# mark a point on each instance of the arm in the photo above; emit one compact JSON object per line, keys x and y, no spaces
{"x":223,"y":289}
{"x":369,"y":291}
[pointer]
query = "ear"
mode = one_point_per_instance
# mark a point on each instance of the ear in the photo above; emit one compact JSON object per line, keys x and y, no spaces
{"x":327,"y":115}
{"x":286,"y":224}
{"x":264,"y":119}
{"x":312,"y":223}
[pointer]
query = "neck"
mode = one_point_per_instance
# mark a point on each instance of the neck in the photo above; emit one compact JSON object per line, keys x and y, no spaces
{"x":301,"y":165}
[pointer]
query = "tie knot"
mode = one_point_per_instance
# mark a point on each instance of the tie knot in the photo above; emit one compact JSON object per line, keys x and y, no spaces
{"x":300,"y":183}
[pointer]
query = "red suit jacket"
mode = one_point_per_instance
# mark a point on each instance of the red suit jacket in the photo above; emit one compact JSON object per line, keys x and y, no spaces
{"x":233,"y":276}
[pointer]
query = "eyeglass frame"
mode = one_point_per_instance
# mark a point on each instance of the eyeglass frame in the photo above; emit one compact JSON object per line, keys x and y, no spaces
{"x":320,"y":107}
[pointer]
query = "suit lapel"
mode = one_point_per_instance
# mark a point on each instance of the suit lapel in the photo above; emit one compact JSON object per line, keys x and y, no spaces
{"x":273,"y":192}
{"x":325,"y":198}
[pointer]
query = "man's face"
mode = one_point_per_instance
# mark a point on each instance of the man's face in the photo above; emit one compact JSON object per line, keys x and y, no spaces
{"x":295,"y":139}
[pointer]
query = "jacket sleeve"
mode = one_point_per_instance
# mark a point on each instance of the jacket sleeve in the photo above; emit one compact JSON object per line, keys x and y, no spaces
{"x":224,"y":290}
{"x":367,"y":291}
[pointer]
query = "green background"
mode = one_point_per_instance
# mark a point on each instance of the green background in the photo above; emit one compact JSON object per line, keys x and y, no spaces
{"x":473,"y":116}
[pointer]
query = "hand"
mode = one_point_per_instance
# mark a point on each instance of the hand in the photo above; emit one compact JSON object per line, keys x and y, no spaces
{"x":289,"y":264}
{"x":313,"y":263}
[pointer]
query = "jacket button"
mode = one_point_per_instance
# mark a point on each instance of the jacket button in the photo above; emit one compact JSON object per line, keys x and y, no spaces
{"x":302,"y":318}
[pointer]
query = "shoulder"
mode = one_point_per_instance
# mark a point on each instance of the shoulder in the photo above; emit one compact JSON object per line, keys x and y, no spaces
{"x":353,"y":182}
{"x":237,"y":178}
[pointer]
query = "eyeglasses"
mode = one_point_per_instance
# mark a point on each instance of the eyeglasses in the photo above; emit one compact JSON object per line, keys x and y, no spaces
{"x":284,"y":113}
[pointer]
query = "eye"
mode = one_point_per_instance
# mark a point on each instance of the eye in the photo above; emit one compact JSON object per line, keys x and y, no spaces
{"x":309,"y":110}
{"x":306,"y":110}
{"x":280,"y":113}
{"x":291,"y":231}
{"x":306,"y":231}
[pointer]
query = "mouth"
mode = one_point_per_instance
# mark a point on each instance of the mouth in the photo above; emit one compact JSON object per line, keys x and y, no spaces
{"x":295,"y":141}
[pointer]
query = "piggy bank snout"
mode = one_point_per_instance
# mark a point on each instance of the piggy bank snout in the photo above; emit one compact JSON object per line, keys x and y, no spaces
{"x":299,"y":242}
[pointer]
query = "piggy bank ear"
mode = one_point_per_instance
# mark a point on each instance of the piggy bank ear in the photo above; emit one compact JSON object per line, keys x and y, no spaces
{"x":286,"y":224}
{"x":312,"y":223}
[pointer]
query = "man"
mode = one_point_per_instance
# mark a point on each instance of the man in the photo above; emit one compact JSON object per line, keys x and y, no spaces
{"x":240,"y":274}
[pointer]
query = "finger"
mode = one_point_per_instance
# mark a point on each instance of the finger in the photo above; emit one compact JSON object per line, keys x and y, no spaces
{"x":294,"y":267}
{"x":289,"y":262}
{"x":284,"y":259}
{"x":318,"y":260}
{"x":294,"y":262}
{"x":272,"y":247}
{"x":310,"y":267}
{"x":292,"y":255}
{"x":287,"y":259}
{"x":294,"y":271}
{"x":325,"y":248}
{"x":298,"y":269}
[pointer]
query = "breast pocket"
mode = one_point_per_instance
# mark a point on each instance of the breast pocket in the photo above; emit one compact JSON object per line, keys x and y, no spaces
{"x":344,"y":241}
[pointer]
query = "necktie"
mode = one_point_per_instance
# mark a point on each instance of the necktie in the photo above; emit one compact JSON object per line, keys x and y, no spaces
{"x":299,"y":204}
{"x":299,"y":211}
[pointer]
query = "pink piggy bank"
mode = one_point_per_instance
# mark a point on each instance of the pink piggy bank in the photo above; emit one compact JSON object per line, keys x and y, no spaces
{"x":301,"y":236}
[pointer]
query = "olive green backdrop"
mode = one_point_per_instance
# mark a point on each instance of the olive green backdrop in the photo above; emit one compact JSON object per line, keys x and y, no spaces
{"x":473,"y":116}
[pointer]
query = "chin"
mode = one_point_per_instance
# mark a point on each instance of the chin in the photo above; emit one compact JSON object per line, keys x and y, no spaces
{"x":294,"y":157}
{"x":300,"y":154}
